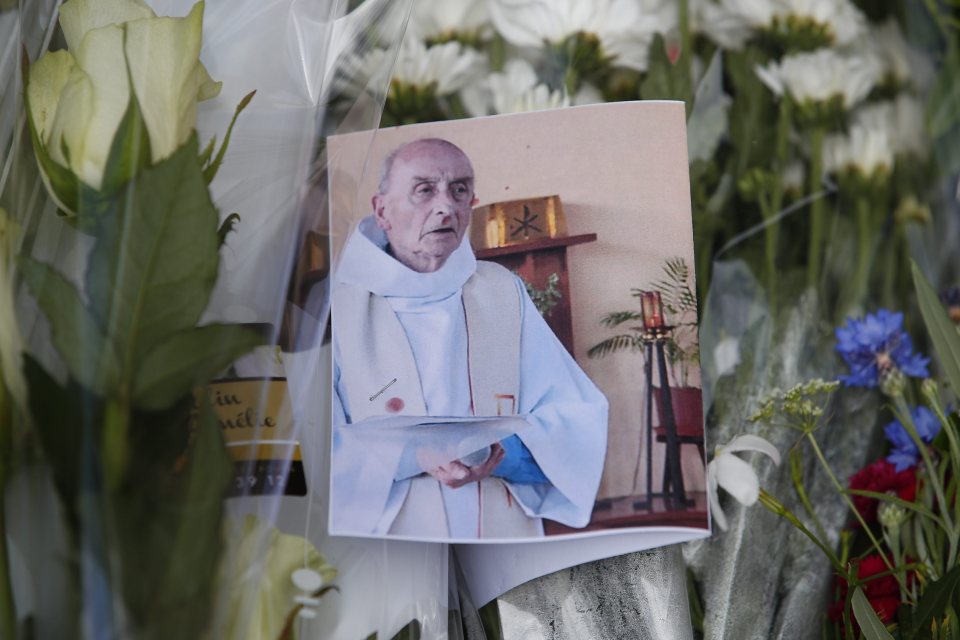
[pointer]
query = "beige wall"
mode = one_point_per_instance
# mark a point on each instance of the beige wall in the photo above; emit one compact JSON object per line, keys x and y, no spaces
{"x":621,"y":172}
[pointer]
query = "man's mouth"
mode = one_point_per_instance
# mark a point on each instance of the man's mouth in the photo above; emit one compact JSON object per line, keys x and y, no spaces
{"x":442,"y":230}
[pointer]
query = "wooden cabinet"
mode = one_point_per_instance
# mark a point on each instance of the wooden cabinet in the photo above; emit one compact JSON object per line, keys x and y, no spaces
{"x":535,"y":261}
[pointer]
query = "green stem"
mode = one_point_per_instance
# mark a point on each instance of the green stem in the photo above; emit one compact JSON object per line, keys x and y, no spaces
{"x":8,"y":612}
{"x":815,"y":250}
{"x":933,"y":478}
{"x":865,"y":236}
{"x":853,"y":508}
{"x":772,"y":229}
{"x":683,"y":18}
{"x":114,"y":450}
{"x":796,"y":476}
{"x":778,"y":508}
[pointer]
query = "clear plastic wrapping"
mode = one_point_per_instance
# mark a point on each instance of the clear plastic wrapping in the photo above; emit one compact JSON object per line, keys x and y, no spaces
{"x":164,"y":235}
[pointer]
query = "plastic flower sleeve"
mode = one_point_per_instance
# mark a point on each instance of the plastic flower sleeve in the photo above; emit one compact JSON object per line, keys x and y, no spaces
{"x":169,"y":464}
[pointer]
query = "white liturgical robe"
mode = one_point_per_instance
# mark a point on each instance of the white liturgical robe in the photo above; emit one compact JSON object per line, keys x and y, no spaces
{"x":566,"y":414}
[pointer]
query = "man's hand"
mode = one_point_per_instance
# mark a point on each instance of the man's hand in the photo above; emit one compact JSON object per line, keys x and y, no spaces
{"x":456,"y":474}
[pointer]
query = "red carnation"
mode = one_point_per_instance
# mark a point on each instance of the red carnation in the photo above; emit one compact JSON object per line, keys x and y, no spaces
{"x":883,"y":593}
{"x":882,"y":477}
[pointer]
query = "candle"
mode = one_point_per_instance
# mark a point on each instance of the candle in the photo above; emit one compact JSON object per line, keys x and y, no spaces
{"x":652,"y":308}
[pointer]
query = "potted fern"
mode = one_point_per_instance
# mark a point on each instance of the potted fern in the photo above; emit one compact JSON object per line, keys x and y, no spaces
{"x":682,"y":347}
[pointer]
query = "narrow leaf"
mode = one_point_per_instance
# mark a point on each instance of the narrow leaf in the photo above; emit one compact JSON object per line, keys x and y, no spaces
{"x":944,"y":103}
{"x":936,"y":596}
{"x":207,"y":152}
{"x":409,"y":632}
{"x":870,"y":623}
{"x":943,"y":333}
{"x":228,"y":225}
{"x":90,"y":358}
{"x":210,"y":172}
{"x":187,"y":359}
{"x":916,"y":507}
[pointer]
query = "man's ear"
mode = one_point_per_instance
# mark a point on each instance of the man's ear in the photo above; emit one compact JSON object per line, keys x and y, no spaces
{"x":378,"y":212}
{"x":475,"y":200}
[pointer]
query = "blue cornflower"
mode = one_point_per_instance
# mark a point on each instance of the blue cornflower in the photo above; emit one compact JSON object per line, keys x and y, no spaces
{"x":905,"y":453}
{"x":877,"y":344}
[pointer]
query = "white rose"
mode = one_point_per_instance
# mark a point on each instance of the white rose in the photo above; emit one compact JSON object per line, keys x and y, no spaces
{"x":78,"y":97}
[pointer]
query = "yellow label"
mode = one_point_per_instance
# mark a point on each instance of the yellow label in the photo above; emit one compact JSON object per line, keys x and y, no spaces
{"x":255,"y":417}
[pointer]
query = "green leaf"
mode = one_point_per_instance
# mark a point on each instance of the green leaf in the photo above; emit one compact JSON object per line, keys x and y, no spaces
{"x":210,"y":172}
{"x":870,"y":624}
{"x":155,"y":262}
{"x":168,"y":523}
{"x":409,"y":632}
{"x":207,"y":152}
{"x":943,"y":107}
{"x":943,"y":333}
{"x":129,"y":151}
{"x":77,"y":335}
{"x":189,"y":358}
{"x":226,"y":227}
{"x":55,"y":411}
{"x":614,"y":344}
{"x":935,"y":599}
{"x":617,"y":318}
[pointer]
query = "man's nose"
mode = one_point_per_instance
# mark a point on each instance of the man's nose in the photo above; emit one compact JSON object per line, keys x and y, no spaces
{"x":444,"y":202}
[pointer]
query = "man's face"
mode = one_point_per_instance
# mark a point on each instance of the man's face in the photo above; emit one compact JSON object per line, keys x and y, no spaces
{"x":426,"y":208}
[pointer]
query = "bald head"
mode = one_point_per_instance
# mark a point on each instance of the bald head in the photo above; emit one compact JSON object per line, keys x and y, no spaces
{"x":386,"y":167}
{"x":424,"y":201}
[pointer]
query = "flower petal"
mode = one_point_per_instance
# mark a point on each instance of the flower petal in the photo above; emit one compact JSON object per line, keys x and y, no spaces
{"x":77,"y":17}
{"x":749,"y":442}
{"x":47,"y":78}
{"x":738,"y":478}
{"x":163,"y":54}
{"x":101,"y":57}
{"x":70,"y":123}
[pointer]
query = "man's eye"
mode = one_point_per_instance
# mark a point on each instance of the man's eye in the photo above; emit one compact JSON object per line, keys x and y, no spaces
{"x":424,"y":189}
{"x":459,"y":190}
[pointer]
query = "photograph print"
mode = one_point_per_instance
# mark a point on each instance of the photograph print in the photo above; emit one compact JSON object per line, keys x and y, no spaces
{"x":514,"y":328}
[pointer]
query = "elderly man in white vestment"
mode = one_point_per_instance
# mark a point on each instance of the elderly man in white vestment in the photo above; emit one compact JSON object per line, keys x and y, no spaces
{"x":418,"y":319}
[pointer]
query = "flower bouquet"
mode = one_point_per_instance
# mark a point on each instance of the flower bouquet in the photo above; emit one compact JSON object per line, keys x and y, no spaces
{"x":153,"y":326}
{"x":822,"y":151}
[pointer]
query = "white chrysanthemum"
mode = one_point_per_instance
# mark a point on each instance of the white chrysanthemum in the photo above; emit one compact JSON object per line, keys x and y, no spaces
{"x":865,"y":150}
{"x":794,"y":176}
{"x":843,"y":21}
{"x":449,"y":67}
{"x":821,"y":76}
{"x":902,"y":119}
{"x":719,"y":23}
{"x":896,"y":58}
{"x":516,"y":89}
{"x":625,"y":28}
{"x":588,"y":94}
{"x":449,"y":18}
